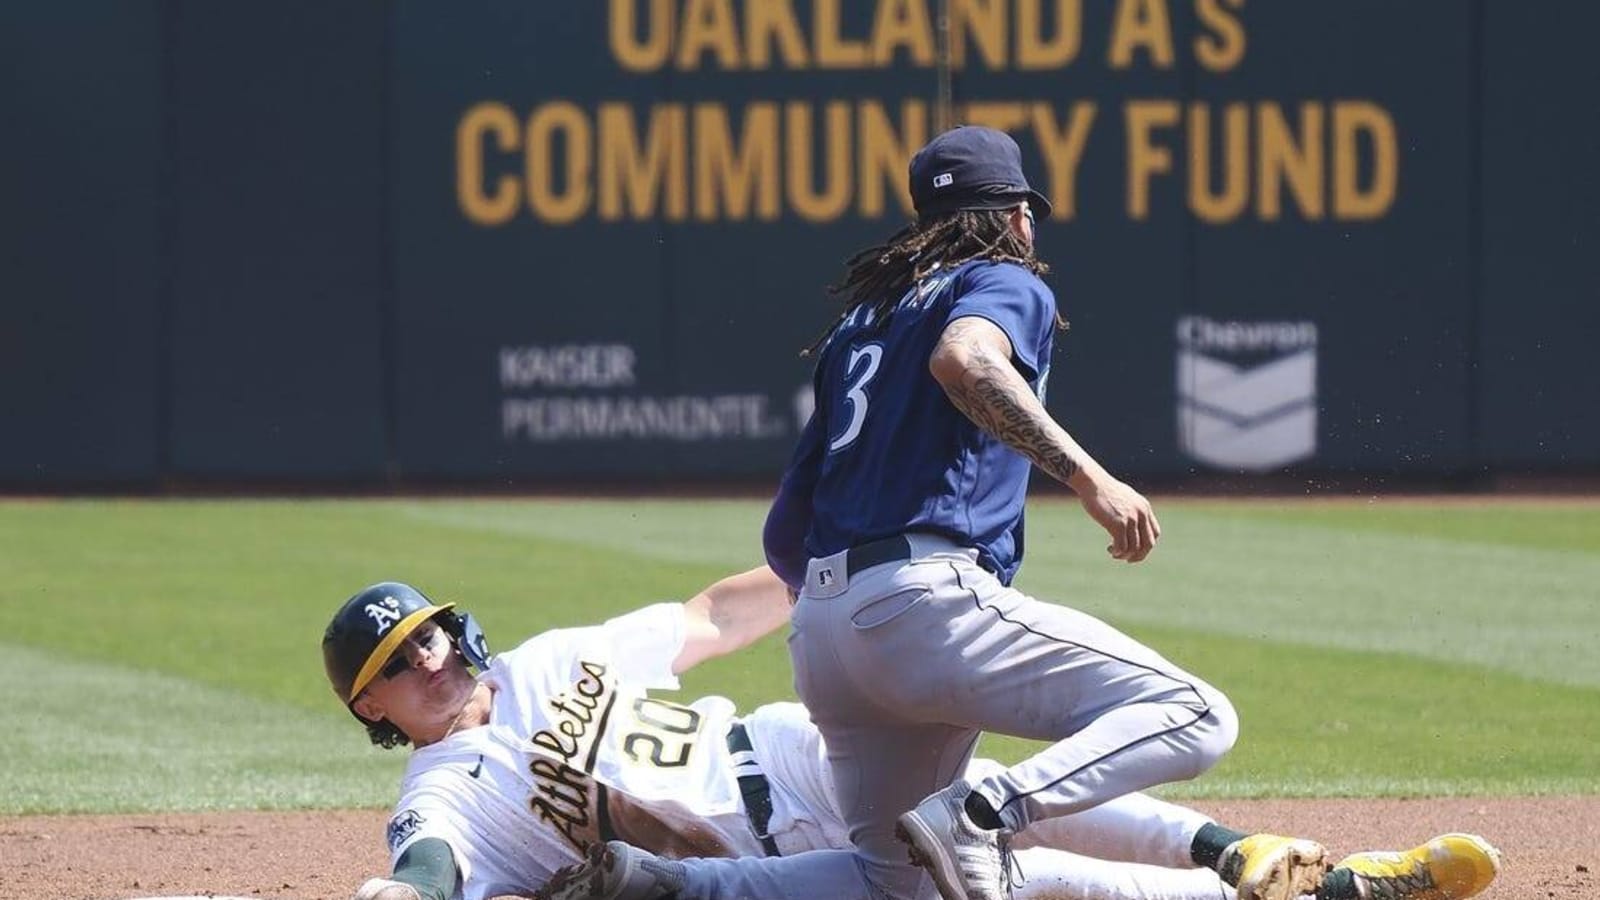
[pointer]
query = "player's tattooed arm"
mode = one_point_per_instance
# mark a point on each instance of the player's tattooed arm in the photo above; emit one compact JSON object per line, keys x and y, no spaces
{"x":972,"y":362}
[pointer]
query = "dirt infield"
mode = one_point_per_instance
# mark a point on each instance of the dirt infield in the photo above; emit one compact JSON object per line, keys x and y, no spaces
{"x":1551,"y":846}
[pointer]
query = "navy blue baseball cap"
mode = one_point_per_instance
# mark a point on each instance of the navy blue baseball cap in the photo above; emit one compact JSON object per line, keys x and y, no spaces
{"x":971,"y":167}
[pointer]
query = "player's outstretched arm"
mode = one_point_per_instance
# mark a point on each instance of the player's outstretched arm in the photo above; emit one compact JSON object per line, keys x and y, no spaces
{"x":733,"y":613}
{"x":425,"y":871}
{"x":972,"y":362}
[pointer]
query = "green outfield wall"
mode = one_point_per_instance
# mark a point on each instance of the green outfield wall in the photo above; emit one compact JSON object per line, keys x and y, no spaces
{"x":522,"y":243}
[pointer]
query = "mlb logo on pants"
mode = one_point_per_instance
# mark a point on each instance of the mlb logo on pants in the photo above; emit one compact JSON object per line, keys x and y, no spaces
{"x":1247,"y":392}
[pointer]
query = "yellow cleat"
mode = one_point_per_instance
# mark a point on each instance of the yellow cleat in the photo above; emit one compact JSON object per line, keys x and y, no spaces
{"x":1449,"y":867}
{"x":1271,"y":867}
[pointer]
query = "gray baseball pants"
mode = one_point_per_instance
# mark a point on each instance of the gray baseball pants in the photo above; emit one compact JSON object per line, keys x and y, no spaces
{"x":904,"y":662}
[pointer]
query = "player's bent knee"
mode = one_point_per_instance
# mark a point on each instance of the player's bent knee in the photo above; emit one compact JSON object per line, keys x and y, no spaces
{"x":1227,"y":724}
{"x":1217,"y":732}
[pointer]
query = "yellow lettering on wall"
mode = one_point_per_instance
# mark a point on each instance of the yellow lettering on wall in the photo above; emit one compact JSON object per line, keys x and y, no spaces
{"x":769,"y":20}
{"x":1063,"y":150}
{"x":883,"y":154}
{"x":1146,"y":159}
{"x":550,"y":203}
{"x":1001,"y":115}
{"x":632,"y":177}
{"x":1141,"y":25}
{"x":984,"y":21}
{"x":630,"y":52}
{"x":498,"y":206}
{"x":1035,"y":50}
{"x":902,"y":24}
{"x":1221,"y":48}
{"x":1351,"y":120}
{"x":1281,"y":158}
{"x":833,"y":51}
{"x":732,"y":175}
{"x":1227,"y":204}
{"x":830,"y":203}
{"x":708,"y":25}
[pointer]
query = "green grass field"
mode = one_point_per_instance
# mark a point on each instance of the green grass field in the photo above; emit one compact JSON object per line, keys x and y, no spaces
{"x":164,"y":654}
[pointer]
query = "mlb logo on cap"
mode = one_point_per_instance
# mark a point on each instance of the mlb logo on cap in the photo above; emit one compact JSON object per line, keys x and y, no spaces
{"x":971,"y":167}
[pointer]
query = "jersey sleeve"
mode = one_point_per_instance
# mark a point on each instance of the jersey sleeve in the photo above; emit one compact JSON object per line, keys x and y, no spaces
{"x":644,"y":643}
{"x":639,"y":646}
{"x":418,"y":817}
{"x":1016,"y":301}
{"x":783,"y":537}
{"x":429,"y":865}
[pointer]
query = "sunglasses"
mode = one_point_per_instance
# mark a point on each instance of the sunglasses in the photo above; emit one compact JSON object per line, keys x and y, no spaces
{"x":400,"y":661}
{"x":1028,"y":211}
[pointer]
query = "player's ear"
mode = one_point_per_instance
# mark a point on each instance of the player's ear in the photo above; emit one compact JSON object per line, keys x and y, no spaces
{"x":1020,"y":220}
{"x":367,"y":707}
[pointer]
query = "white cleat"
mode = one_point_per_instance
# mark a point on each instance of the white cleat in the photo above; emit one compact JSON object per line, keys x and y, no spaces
{"x":967,"y":862}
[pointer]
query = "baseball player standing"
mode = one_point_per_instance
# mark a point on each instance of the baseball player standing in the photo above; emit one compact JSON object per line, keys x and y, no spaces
{"x":900,"y":523}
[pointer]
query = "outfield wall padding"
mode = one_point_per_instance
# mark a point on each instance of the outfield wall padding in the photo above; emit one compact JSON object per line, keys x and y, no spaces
{"x":516,"y":244}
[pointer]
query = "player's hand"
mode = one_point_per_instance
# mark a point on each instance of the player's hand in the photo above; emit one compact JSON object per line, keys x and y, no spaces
{"x":1125,"y":515}
{"x":384,"y":889}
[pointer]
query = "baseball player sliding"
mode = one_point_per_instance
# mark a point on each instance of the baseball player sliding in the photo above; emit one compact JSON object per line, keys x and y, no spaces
{"x":528,"y":778}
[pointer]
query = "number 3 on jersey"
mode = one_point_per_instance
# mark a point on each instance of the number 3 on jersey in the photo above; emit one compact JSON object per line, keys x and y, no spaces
{"x":858,"y":371}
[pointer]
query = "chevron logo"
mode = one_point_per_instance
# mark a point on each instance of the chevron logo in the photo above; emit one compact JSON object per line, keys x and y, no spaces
{"x":1247,"y":392}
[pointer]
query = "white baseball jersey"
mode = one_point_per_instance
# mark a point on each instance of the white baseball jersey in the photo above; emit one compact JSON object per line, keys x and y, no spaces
{"x":574,"y":752}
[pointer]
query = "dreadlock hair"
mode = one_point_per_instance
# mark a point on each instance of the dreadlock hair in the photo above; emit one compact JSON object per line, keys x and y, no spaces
{"x":879,"y":276}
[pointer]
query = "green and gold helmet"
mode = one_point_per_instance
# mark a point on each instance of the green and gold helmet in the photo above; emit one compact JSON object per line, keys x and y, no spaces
{"x":372,"y":625}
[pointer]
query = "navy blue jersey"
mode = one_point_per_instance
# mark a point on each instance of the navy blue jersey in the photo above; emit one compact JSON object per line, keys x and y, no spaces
{"x":886,"y":452}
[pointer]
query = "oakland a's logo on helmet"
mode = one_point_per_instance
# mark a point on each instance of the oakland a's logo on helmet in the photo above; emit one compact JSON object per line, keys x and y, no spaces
{"x":384,"y":613}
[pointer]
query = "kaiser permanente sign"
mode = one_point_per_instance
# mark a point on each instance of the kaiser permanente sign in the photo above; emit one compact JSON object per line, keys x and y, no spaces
{"x":819,"y":160}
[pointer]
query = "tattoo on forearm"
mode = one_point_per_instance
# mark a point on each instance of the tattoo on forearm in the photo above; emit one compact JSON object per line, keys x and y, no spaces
{"x":996,"y":399}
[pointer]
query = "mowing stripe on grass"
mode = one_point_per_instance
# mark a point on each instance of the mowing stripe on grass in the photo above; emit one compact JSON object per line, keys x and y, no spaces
{"x":1521,"y":610}
{"x":173,"y":645}
{"x":89,"y":737}
{"x":1329,"y":722}
{"x":1322,"y":575}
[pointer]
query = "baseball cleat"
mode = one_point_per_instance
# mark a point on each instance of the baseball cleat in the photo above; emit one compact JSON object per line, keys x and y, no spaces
{"x":1272,"y":867}
{"x":966,"y":862}
{"x":614,"y":871}
{"x":1449,"y":867}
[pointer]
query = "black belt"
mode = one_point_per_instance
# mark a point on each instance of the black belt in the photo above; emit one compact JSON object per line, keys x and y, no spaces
{"x":875,"y":553}
{"x":756,"y":791}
